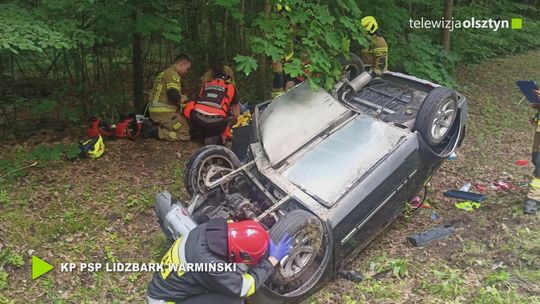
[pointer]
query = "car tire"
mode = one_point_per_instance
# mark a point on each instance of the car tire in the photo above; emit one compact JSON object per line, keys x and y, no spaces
{"x":308,"y":234}
{"x":200,"y":162}
{"x":352,"y":66}
{"x":437,"y":115}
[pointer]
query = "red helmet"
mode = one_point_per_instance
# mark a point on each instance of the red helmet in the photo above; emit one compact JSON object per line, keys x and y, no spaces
{"x":247,"y":241}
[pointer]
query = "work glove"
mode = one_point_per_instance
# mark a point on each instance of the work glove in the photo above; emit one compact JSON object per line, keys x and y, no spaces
{"x":282,"y":248}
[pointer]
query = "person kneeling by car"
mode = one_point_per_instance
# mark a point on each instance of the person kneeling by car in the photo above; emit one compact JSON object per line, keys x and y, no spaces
{"x":218,"y":241}
{"x":217,"y":108}
{"x":532,"y":203}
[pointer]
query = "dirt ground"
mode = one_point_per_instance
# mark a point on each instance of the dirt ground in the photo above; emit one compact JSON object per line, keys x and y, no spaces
{"x":101,"y":210}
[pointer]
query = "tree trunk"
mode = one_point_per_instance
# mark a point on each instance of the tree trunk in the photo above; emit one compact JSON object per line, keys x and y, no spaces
{"x":445,"y":34}
{"x":138,"y":70}
{"x":242,"y":27}
{"x":265,"y":75}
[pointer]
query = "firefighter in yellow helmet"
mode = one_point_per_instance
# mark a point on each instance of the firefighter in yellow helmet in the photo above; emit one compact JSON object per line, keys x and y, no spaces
{"x":166,"y":101}
{"x":281,"y":82}
{"x":533,"y":196}
{"x":376,"y":54}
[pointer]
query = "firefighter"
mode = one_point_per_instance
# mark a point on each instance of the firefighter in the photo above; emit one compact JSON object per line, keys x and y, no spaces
{"x":216,"y":109}
{"x":376,"y":54}
{"x":166,"y":100}
{"x":218,"y":241}
{"x":530,"y":206}
{"x":207,"y":76}
{"x":281,"y":82}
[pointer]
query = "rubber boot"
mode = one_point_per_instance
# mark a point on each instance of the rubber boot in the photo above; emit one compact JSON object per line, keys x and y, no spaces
{"x":149,"y":129}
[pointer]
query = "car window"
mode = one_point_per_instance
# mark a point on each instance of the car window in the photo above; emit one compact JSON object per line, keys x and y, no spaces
{"x":296,"y":117}
{"x":328,"y":169}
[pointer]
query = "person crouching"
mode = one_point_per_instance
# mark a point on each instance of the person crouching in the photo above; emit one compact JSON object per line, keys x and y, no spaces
{"x":216,"y":109}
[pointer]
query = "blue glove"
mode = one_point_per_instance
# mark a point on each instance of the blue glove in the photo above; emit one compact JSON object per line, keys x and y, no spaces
{"x":282,"y":248}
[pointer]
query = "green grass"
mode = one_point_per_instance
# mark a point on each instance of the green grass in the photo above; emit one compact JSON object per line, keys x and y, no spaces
{"x":101,"y":211}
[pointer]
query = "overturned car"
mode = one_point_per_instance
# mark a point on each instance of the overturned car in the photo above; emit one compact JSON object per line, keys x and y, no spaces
{"x":332,"y":169}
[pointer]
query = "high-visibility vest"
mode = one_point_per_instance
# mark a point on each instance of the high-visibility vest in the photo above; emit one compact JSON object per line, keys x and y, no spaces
{"x":215,"y":98}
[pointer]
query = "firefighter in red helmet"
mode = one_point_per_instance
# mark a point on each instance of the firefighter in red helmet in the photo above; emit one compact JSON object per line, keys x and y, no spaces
{"x":218,"y":241}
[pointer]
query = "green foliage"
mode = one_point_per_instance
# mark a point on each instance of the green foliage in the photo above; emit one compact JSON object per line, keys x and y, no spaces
{"x":3,"y":279}
{"x":71,"y":151}
{"x":109,"y":254}
{"x":498,"y":276}
{"x":304,"y":30}
{"x":245,"y":64}
{"x":9,"y":257}
{"x":380,"y":290}
{"x":399,"y":267}
{"x":19,"y":159}
{"x":4,"y":299}
{"x":46,"y":153}
{"x":73,"y":114}
{"x":492,"y":295}
{"x":21,"y":29}
{"x":44,"y":107}
{"x":4,"y":197}
{"x":448,"y":283}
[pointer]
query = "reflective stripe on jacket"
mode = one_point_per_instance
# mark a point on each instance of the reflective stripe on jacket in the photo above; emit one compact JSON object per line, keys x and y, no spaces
{"x":169,"y":79}
{"x":216,"y":98}
{"x":172,"y":285}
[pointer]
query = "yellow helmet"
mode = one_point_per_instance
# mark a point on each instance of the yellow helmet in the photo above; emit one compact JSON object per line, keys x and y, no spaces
{"x":93,"y":148}
{"x":370,"y":24}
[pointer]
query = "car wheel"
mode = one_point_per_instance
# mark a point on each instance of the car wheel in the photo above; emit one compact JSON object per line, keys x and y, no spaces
{"x":208,"y":164}
{"x":352,"y":67}
{"x":437,"y":115}
{"x":308,"y":246}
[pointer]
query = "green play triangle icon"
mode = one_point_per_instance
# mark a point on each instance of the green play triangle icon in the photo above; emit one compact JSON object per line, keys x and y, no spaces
{"x":40,"y":267}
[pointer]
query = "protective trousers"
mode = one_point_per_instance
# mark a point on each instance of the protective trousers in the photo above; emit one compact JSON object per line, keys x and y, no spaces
{"x":172,"y":126}
{"x":278,"y":80}
{"x":534,"y":186}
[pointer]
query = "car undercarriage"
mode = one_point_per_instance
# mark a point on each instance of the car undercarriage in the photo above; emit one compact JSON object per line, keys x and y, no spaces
{"x":334,"y":183}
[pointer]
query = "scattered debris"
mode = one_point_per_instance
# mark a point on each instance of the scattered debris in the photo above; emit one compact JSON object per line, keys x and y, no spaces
{"x":466,"y":187}
{"x":497,"y":265}
{"x":423,"y":238}
{"x":500,"y":185}
{"x":467,"y":205}
{"x":469,"y":196}
{"x":416,"y":203}
{"x":452,"y":156}
{"x":435,"y":216}
{"x":521,"y":162}
{"x":480,"y":188}
{"x":381,"y":275}
{"x":352,"y":275}
{"x":18,"y":169}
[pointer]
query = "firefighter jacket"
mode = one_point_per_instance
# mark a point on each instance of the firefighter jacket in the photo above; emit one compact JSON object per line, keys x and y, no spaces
{"x":215,"y":98}
{"x":377,"y":54}
{"x":166,"y":93}
{"x":200,"y":246}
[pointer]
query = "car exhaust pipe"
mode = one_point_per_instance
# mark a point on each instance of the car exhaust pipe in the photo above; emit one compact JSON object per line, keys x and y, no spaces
{"x":359,"y":82}
{"x":174,"y":219}
{"x":347,"y":89}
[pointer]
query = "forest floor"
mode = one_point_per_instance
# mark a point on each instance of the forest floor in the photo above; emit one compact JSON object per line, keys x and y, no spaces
{"x":101,"y":211}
